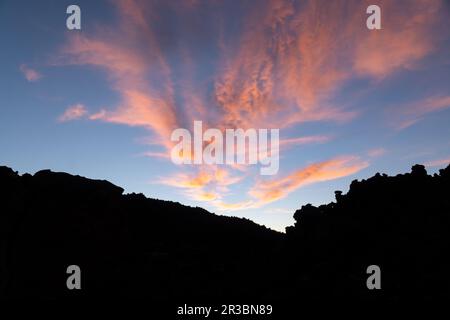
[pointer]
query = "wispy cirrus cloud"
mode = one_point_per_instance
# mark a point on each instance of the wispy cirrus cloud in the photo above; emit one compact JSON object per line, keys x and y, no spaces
{"x":30,"y":74}
{"x":411,"y":113}
{"x":283,"y":68}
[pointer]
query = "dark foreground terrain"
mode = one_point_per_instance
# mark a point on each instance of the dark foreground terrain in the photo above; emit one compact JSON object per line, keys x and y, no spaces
{"x":130,"y":246}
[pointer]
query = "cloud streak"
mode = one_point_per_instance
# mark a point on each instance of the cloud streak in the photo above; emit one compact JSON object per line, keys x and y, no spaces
{"x":74,"y":112}
{"x":438,"y":163}
{"x":269,"y":191}
{"x":410,"y":114}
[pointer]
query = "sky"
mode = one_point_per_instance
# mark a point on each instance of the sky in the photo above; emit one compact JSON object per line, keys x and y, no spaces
{"x":349,"y":102}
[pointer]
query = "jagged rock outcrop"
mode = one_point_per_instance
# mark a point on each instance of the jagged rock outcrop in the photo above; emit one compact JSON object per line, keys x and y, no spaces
{"x":401,"y":224}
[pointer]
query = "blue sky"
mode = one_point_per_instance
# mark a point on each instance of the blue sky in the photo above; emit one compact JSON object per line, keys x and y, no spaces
{"x":102,"y":101}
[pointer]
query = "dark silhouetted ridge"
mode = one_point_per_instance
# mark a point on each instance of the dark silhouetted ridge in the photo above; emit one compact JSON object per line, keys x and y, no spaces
{"x":130,"y":246}
{"x":125,"y":245}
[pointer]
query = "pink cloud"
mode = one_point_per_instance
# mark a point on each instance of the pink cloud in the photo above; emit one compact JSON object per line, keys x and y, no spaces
{"x":291,"y":60}
{"x":305,"y":140}
{"x":127,"y":69}
{"x":404,"y":38}
{"x":376,"y":152}
{"x":283,"y":69}
{"x":438,"y":163}
{"x":30,"y":74}
{"x":286,"y":65}
{"x":74,"y":112}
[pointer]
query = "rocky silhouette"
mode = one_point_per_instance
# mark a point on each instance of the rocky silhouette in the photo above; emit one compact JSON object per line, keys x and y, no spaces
{"x":130,"y":246}
{"x":401,"y":224}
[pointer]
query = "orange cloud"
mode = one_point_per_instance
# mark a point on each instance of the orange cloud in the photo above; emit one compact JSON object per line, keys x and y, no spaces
{"x":264,"y":192}
{"x":207,"y":184}
{"x":204,"y":196}
{"x":188,"y":181}
{"x":73,"y":113}
{"x":272,"y":190}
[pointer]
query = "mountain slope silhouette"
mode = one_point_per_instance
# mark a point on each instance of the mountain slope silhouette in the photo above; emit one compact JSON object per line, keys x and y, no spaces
{"x":130,"y":246}
{"x":124,"y":244}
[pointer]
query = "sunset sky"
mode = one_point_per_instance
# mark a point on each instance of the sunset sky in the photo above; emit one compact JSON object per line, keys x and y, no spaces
{"x":102,"y":101}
